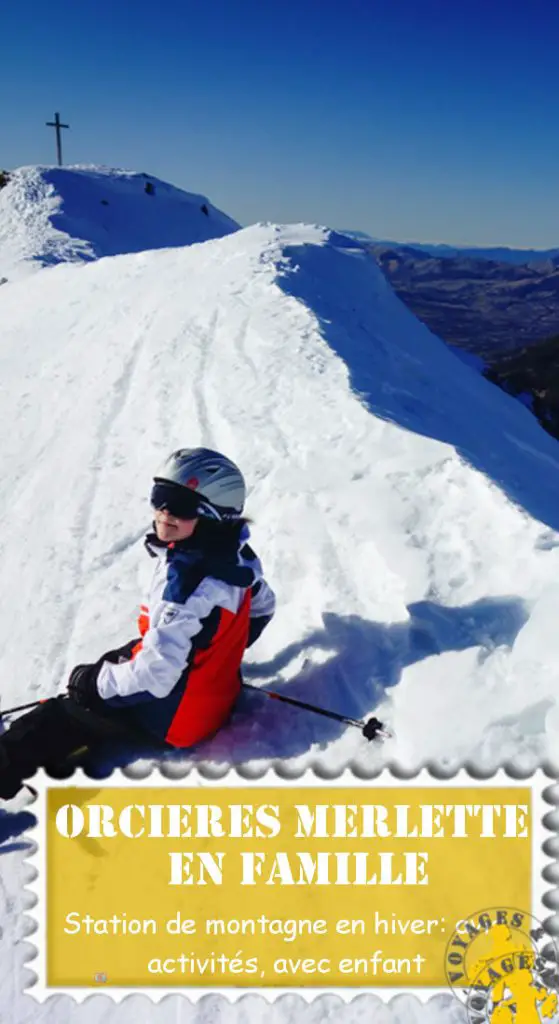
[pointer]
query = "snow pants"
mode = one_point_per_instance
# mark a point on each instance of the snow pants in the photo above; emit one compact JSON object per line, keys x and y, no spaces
{"x":52,"y":733}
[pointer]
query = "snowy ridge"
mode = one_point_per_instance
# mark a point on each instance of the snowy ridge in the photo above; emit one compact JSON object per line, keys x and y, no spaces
{"x":404,"y":508}
{"x":51,"y":215}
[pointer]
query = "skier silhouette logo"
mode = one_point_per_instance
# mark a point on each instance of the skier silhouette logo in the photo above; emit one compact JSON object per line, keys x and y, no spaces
{"x":504,"y":966}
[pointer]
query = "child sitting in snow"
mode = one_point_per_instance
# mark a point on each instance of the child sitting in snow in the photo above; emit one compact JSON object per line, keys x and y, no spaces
{"x":178,"y":680}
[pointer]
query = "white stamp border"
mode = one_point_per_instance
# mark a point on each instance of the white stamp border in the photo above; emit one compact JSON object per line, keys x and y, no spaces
{"x":37,"y":989}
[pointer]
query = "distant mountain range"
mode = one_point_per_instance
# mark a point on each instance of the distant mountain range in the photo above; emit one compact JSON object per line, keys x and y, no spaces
{"x":501,"y":253}
{"x":499,"y":316}
{"x":483,"y":306}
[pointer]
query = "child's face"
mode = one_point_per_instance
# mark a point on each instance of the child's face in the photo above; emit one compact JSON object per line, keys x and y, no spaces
{"x":168,"y":527}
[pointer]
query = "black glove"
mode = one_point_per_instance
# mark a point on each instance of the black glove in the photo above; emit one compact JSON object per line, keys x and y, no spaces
{"x":121,"y":654}
{"x":82,"y":686}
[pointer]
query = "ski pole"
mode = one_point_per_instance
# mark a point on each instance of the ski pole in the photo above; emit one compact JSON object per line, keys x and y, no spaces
{"x":370,"y":729}
{"x":22,"y":707}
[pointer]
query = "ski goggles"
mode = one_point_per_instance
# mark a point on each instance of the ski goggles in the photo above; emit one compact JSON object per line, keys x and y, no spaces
{"x":178,"y":500}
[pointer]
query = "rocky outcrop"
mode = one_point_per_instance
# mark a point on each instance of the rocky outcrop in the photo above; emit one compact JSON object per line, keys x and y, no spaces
{"x":532,"y":374}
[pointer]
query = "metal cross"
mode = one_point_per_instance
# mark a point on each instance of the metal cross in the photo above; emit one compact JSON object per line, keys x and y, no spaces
{"x":57,"y":124}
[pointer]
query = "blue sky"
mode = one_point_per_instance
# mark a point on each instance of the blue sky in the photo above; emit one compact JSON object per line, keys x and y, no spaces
{"x":431,"y":120}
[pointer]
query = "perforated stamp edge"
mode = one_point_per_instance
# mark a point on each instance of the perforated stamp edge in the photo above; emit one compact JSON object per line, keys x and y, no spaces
{"x":545,"y":868}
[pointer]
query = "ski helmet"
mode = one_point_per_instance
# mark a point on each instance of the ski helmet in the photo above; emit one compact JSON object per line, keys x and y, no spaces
{"x":213,"y":476}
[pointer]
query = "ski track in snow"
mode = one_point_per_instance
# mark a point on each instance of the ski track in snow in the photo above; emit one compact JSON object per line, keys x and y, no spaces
{"x":83,"y":519}
{"x":405,"y":512}
{"x":201,"y":389}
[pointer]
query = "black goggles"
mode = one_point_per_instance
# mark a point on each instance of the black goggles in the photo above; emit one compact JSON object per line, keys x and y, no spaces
{"x":179,"y":501}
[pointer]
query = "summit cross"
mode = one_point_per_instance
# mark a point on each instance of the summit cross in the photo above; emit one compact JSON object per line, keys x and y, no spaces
{"x":58,"y":125}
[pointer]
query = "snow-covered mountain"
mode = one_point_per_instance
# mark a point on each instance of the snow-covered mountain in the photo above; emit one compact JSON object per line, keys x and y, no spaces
{"x":51,"y":215}
{"x":406,"y":511}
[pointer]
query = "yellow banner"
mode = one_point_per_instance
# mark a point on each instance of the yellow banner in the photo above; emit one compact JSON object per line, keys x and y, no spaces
{"x":279,"y":886}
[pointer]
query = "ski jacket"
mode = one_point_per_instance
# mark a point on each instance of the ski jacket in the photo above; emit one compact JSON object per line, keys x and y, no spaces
{"x":201,"y":612}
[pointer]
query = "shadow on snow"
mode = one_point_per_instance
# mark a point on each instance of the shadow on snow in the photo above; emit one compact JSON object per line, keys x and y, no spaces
{"x":363,"y":660}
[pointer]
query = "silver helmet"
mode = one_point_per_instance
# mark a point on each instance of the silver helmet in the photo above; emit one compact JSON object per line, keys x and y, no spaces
{"x":213,"y":476}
